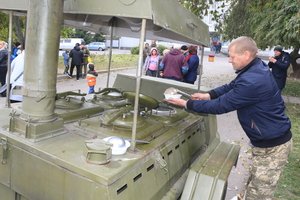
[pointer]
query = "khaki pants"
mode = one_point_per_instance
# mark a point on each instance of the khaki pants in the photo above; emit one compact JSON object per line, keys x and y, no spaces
{"x":267,"y":165}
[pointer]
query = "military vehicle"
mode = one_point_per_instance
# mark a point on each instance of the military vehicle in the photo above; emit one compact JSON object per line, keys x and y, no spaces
{"x":124,"y":142}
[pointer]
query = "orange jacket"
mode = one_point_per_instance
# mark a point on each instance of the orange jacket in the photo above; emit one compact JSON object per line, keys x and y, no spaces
{"x":91,"y":79}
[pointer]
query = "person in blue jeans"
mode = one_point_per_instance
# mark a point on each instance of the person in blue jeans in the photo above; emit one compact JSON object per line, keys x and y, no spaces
{"x":66,"y":58}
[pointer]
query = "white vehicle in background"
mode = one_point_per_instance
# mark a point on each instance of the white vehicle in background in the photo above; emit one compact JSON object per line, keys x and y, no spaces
{"x":96,"y":46}
{"x":69,"y":43}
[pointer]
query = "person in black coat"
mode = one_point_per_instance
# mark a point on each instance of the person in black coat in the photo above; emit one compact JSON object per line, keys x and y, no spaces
{"x":77,"y":59}
{"x":3,"y":63}
{"x":279,"y":65}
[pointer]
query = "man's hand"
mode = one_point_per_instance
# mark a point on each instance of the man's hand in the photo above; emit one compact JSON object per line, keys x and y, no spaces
{"x":272,"y":60}
{"x":200,"y":96}
{"x":177,"y":102}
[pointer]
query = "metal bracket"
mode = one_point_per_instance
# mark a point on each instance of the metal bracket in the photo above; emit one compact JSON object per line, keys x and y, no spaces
{"x":4,"y":150}
{"x":160,"y":161}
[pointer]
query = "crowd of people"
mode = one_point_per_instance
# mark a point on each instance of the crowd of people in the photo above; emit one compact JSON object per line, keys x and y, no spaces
{"x":16,"y":72}
{"x":79,"y":57}
{"x":179,"y":63}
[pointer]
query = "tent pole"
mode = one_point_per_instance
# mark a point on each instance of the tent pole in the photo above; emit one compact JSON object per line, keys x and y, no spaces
{"x":201,"y":68}
{"x":138,"y":84}
{"x":110,"y":51}
{"x":8,"y":60}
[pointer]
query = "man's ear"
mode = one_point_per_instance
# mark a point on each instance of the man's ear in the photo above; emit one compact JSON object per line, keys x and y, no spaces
{"x":248,"y":55}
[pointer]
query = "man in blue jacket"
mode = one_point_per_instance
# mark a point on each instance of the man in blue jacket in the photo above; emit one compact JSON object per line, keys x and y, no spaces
{"x":260,"y":108}
{"x":279,"y":65}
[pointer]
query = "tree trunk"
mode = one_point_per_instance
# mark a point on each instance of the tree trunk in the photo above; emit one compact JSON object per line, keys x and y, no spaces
{"x":18,"y":27}
{"x":296,"y":66}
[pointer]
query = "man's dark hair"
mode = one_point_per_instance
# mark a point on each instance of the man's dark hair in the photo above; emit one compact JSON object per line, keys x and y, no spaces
{"x":278,"y":48}
{"x":184,"y":47}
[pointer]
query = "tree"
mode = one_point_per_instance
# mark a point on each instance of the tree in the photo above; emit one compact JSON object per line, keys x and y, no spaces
{"x":98,"y":37}
{"x":3,"y":27}
{"x":202,"y":8}
{"x":268,"y":22}
{"x":69,"y":32}
{"x":18,"y":28}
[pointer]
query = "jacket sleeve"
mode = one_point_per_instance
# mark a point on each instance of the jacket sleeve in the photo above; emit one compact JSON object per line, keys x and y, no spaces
{"x":238,"y":97}
{"x":284,"y":62}
{"x":270,"y":64}
{"x":145,"y":67}
{"x":162,"y":64}
{"x":219,"y":91}
{"x":3,"y":56}
{"x":193,"y":62}
{"x":71,"y":54}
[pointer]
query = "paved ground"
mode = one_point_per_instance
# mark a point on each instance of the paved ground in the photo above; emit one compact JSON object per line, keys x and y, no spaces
{"x":214,"y":74}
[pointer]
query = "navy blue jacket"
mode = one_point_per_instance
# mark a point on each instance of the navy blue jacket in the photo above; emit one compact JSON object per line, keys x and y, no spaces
{"x":3,"y":58}
{"x":191,"y":75}
{"x":257,"y":99}
{"x":279,"y":69}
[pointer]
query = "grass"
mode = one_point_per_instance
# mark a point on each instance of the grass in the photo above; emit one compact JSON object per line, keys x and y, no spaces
{"x":288,"y":187}
{"x":292,"y":88}
{"x":101,"y":61}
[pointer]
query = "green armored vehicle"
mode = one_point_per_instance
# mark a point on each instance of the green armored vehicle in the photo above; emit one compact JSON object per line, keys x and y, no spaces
{"x":124,"y":143}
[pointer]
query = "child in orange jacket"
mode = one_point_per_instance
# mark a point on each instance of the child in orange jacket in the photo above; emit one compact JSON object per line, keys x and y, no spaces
{"x":91,"y":77}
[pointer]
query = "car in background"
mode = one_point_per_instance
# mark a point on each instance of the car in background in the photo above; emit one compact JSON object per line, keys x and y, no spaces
{"x":96,"y":46}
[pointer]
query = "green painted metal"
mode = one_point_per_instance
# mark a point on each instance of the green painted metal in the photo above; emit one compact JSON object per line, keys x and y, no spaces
{"x":174,"y":143}
{"x":207,"y":177}
{"x":128,"y":14}
{"x":43,"y":142}
{"x":43,"y":29}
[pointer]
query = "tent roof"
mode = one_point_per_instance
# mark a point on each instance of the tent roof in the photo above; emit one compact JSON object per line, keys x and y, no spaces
{"x":166,"y":20}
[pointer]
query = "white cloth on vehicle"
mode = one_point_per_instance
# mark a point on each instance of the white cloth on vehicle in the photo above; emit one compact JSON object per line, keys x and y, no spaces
{"x":16,"y":76}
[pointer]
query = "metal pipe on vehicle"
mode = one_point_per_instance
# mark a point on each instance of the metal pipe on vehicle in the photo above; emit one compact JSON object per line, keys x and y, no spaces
{"x":8,"y":59}
{"x":41,"y":58}
{"x":110,"y":50}
{"x":201,"y":67}
{"x":138,"y":85}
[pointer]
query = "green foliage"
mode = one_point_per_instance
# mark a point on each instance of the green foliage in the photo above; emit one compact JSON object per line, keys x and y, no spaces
{"x":3,"y":27}
{"x":68,"y":32}
{"x":232,"y":26}
{"x":202,"y":8}
{"x":99,"y":37}
{"x":288,"y":187}
{"x":268,"y":22}
{"x":292,"y":88}
{"x":135,"y":50}
{"x":161,"y":48}
{"x":18,"y":28}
